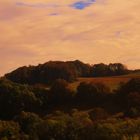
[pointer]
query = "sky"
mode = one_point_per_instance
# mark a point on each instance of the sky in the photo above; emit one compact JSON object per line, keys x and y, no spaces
{"x":93,"y":31}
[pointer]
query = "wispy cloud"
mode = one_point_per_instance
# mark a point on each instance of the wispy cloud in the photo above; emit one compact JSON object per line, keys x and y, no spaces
{"x":79,"y":5}
{"x":54,"y":14}
{"x":37,"y":5}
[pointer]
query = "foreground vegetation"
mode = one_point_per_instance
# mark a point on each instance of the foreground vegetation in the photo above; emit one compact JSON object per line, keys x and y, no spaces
{"x":29,"y":110}
{"x":90,"y":113}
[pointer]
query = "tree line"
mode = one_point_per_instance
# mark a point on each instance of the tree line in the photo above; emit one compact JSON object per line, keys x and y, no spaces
{"x":48,"y":72}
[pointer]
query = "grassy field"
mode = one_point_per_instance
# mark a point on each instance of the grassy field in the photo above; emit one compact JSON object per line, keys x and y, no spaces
{"x":113,"y":82}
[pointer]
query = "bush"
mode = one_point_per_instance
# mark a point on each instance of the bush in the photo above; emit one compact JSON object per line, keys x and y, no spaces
{"x":92,"y":93}
{"x":14,"y":98}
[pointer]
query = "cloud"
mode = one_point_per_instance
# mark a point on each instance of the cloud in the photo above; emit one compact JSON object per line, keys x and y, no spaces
{"x":54,"y":14}
{"x":106,"y":31}
{"x":37,"y":5}
{"x":79,"y":5}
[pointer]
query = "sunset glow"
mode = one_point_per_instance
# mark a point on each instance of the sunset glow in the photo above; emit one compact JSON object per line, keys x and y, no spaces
{"x":93,"y":31}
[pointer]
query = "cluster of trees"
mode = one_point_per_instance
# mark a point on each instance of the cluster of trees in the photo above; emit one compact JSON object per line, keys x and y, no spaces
{"x":47,"y":73}
{"x":92,"y":112}
{"x":100,"y":70}
{"x":15,"y":98}
{"x":128,"y":96}
{"x":63,"y":126}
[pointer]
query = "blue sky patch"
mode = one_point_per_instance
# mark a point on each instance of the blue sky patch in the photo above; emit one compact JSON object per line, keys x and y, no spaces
{"x":80,"y":5}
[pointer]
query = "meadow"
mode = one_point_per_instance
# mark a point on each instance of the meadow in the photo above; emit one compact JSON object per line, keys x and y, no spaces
{"x":113,"y":82}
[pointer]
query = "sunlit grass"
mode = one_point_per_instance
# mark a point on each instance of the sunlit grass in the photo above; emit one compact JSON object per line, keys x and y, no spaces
{"x":113,"y":82}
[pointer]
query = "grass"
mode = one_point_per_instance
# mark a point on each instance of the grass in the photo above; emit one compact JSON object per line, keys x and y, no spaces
{"x":112,"y":82}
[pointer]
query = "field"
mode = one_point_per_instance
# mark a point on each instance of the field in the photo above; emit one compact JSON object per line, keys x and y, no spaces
{"x":113,"y":82}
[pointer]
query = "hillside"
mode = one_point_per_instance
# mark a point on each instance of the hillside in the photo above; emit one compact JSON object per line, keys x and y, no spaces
{"x":70,"y":71}
{"x":82,"y":109}
{"x":112,"y":81}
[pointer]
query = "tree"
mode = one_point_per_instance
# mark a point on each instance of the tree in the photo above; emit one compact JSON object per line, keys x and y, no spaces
{"x":29,"y":123}
{"x":128,"y":94}
{"x":92,"y":93}
{"x":60,"y":92}
{"x":117,"y":69}
{"x":99,"y":70}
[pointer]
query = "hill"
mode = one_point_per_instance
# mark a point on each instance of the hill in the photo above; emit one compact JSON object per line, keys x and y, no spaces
{"x":48,"y":72}
{"x":70,"y":71}
{"x":91,"y":112}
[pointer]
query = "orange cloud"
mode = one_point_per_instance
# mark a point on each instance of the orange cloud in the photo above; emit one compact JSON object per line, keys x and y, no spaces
{"x":107,"y":31}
